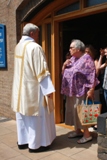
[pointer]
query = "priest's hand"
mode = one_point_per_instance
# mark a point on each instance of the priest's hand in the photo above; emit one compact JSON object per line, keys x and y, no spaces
{"x":50,"y":95}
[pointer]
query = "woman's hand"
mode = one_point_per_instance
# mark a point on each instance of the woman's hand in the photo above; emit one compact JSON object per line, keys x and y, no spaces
{"x":65,"y":64}
{"x":90,"y":94}
{"x":102,"y":53}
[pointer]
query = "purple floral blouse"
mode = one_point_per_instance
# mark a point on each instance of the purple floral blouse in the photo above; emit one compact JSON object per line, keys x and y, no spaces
{"x":79,"y":76}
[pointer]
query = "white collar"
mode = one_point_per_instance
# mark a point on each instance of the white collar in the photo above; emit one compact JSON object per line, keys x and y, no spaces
{"x":26,"y":38}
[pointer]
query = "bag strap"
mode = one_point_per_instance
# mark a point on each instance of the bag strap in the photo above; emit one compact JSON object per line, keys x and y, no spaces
{"x":87,"y":100}
{"x":87,"y":105}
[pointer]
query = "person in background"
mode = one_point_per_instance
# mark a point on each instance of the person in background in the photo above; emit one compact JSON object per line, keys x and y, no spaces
{"x":89,"y":49}
{"x":31,"y":84}
{"x":78,"y":82}
{"x":104,"y":65}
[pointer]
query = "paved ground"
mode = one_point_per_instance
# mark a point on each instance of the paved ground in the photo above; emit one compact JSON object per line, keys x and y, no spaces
{"x":61,"y":149}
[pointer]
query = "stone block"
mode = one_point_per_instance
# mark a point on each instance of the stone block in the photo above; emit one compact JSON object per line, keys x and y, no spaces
{"x":102,"y":150}
{"x":102,"y":140}
{"x":102,"y":123}
{"x":102,"y":156}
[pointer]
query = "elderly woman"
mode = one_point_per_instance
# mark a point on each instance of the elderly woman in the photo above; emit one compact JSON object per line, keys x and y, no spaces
{"x":79,"y":80}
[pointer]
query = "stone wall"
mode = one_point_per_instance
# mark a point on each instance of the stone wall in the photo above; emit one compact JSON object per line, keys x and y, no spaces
{"x":102,"y":147}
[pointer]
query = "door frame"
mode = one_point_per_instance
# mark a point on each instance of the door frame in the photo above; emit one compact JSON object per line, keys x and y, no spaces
{"x":56,"y":60}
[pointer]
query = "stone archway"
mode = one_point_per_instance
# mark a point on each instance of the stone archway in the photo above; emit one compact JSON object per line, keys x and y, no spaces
{"x":26,"y":10}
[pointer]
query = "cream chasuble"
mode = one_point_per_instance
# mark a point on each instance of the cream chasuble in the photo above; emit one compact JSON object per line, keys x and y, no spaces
{"x":30,"y":68}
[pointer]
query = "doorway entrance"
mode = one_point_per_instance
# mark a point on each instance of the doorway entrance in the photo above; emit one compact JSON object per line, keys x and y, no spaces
{"x":91,"y":30}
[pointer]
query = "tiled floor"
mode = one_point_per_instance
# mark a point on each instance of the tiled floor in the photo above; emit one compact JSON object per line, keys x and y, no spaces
{"x":61,"y":149}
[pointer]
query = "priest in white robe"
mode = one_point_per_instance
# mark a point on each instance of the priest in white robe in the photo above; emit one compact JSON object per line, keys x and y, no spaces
{"x":31,"y":85}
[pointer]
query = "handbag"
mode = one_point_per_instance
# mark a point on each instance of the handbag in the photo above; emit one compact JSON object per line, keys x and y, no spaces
{"x":88,"y":112}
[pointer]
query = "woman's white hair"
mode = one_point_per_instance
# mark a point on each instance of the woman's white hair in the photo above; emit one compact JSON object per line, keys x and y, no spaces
{"x":28,"y":28}
{"x":79,"y":44}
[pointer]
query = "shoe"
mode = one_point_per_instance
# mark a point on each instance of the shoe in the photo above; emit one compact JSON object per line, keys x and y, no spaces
{"x":41,"y":149}
{"x":84,"y":140}
{"x":22,"y":146}
{"x":74,"y":135}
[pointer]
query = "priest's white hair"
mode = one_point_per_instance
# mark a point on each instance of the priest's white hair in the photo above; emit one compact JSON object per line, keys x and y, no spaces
{"x":28,"y":28}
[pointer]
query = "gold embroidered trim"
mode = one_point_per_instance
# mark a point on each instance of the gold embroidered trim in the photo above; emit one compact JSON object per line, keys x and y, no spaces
{"x":21,"y":75}
{"x":41,"y":74}
{"x":16,"y":56}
